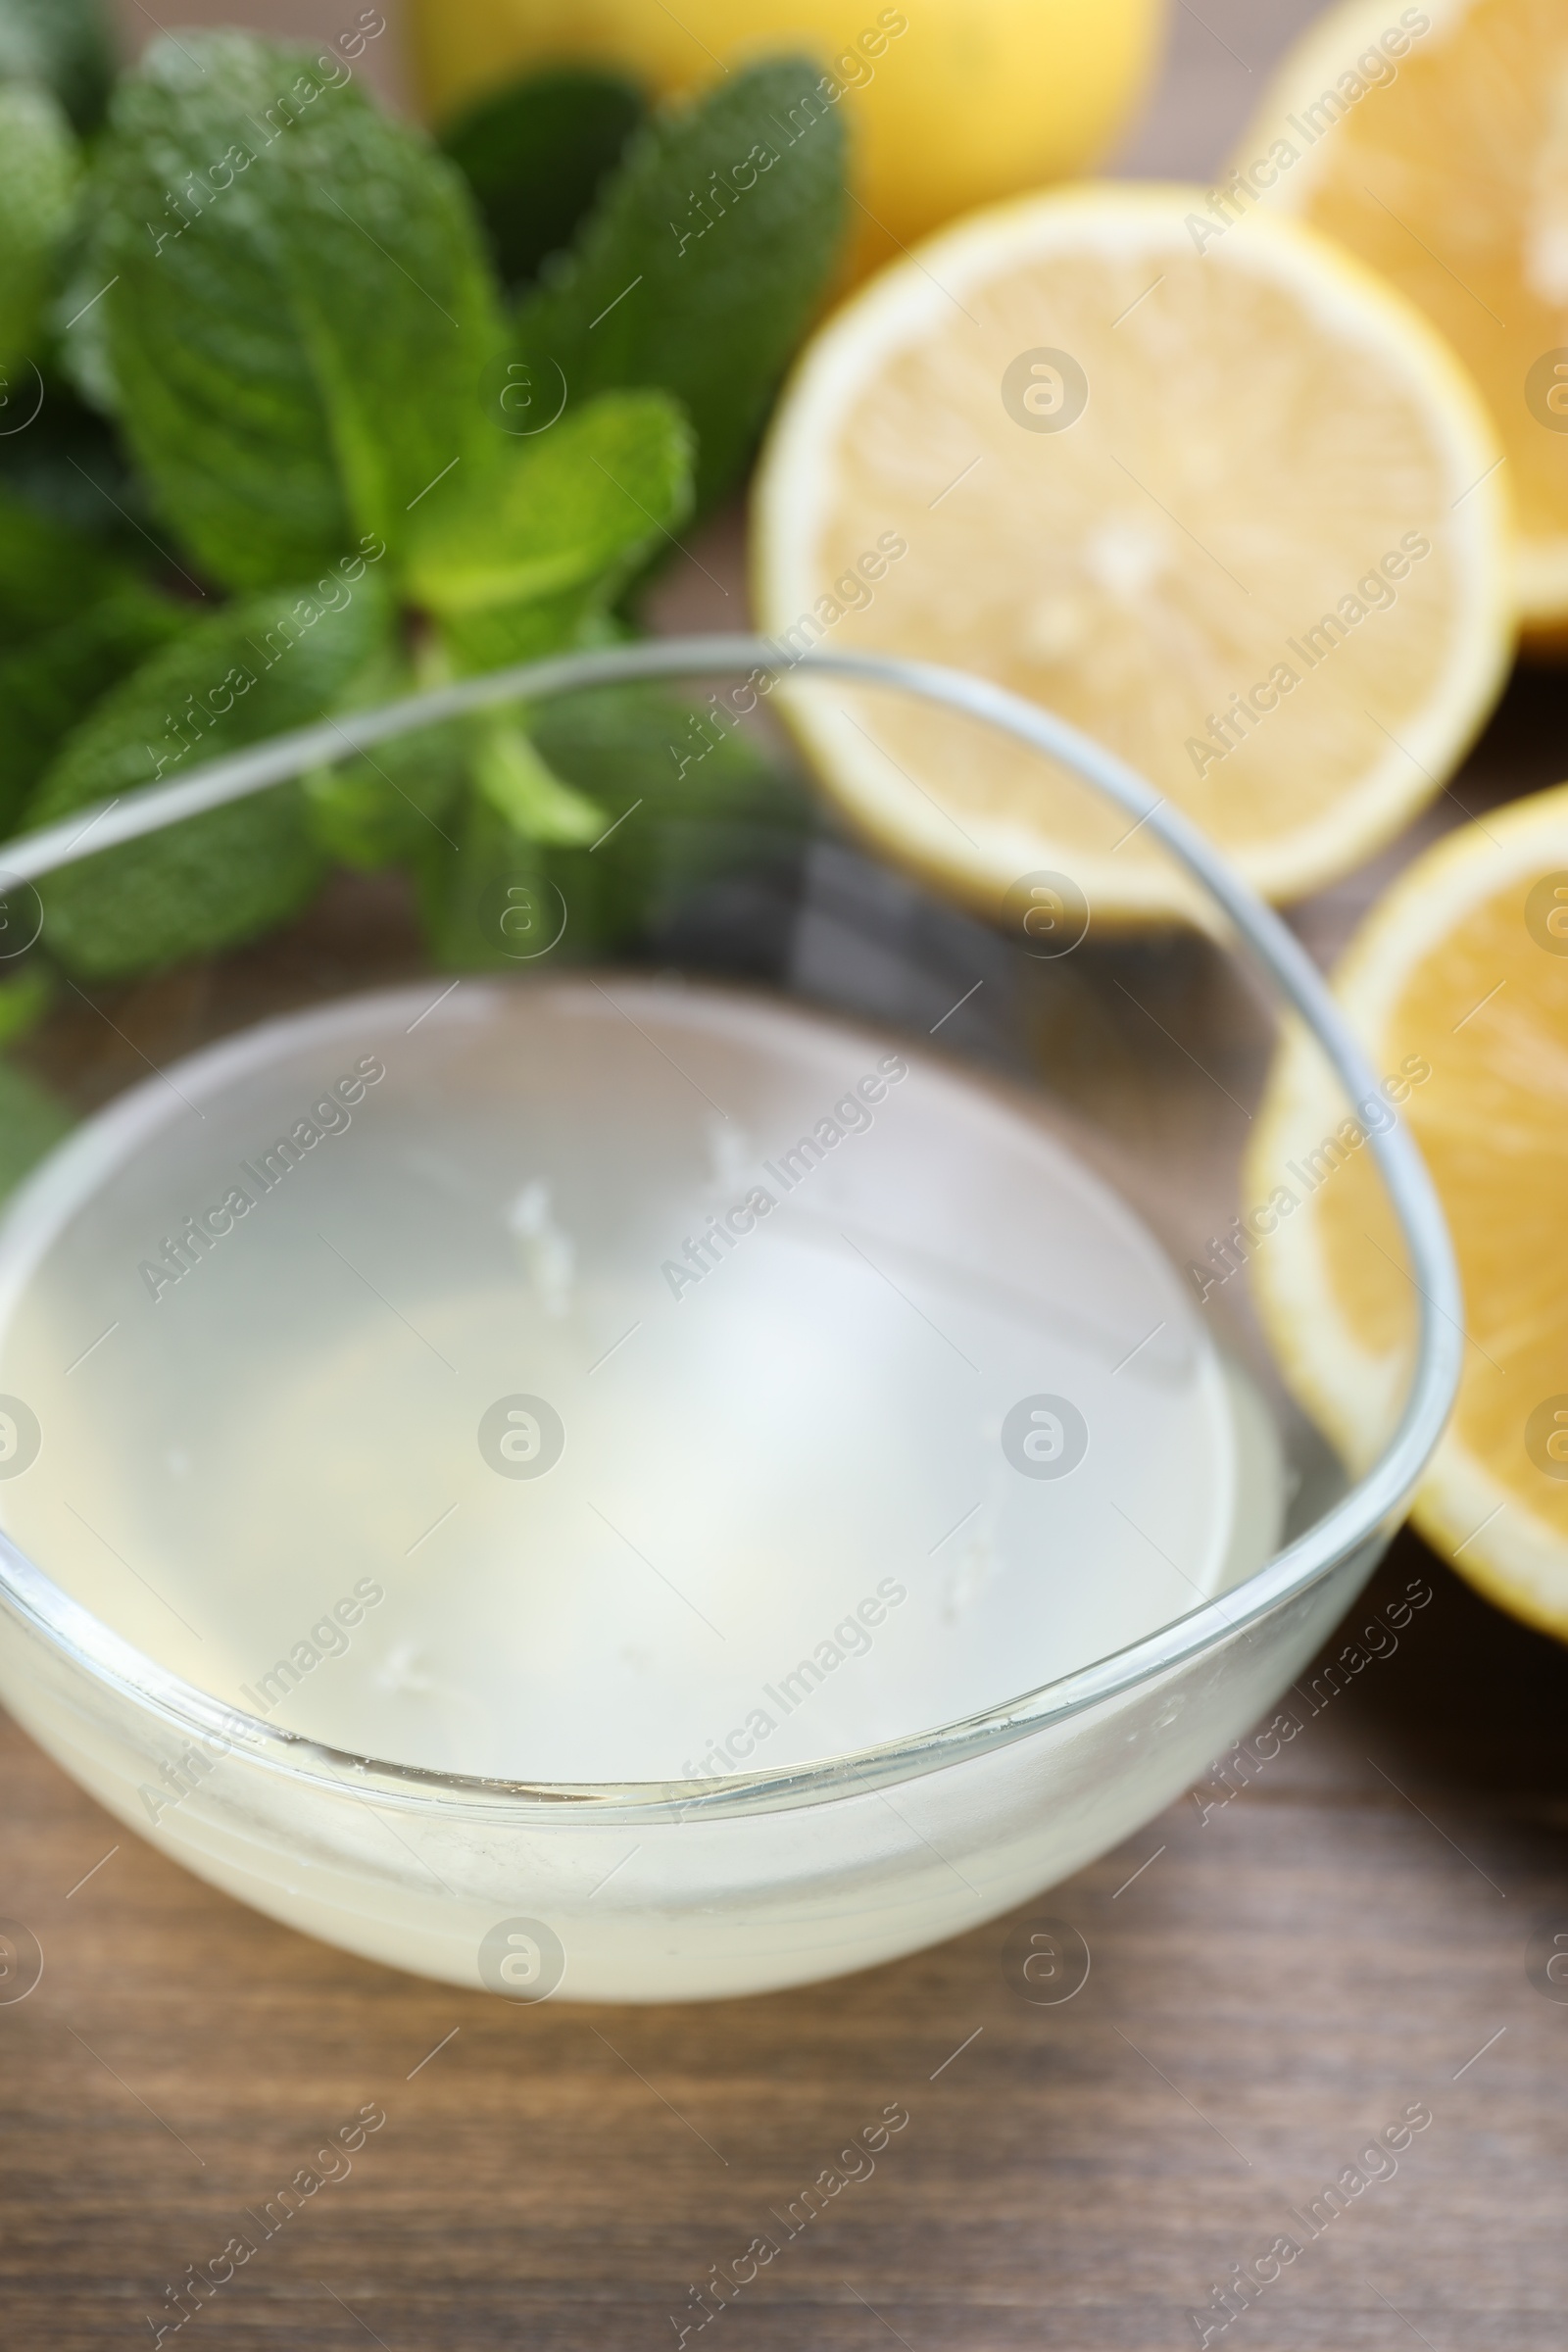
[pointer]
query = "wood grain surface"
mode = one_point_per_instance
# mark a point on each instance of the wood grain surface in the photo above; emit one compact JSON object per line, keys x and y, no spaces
{"x":1276,"y":1977}
{"x":1288,"y":1971}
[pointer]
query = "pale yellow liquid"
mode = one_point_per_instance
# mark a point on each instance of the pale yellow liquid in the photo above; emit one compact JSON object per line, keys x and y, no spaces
{"x":705,"y":1582}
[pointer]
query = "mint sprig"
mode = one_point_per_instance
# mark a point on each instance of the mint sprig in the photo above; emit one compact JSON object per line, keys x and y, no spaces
{"x":334,"y":467}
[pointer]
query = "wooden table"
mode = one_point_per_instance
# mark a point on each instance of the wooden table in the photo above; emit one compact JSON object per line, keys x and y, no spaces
{"x":1275,"y":1978}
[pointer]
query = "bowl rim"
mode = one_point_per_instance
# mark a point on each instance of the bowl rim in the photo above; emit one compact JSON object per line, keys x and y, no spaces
{"x":1354,"y":1522}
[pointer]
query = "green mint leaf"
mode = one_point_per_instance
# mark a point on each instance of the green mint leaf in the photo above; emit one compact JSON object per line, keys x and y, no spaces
{"x":45,"y":689}
{"x":502,"y":634}
{"x":49,"y":573}
{"x":301,"y":312}
{"x":693,"y":802}
{"x":535,"y":155}
{"x":386,"y":807}
{"x":556,"y":510}
{"x":518,"y":550}
{"x":39,"y":173}
{"x":701,"y":265}
{"x":510,"y":775}
{"x":255,"y":669}
{"x":31,"y":1122}
{"x":63,"y":46}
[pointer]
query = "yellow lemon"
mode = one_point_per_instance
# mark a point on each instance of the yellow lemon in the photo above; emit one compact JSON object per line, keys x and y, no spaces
{"x":949,"y":104}
{"x":1433,"y":141}
{"x":1457,"y":985}
{"x":1237,"y":512}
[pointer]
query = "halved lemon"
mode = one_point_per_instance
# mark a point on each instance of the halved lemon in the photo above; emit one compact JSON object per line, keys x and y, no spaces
{"x":1433,"y":141}
{"x":1457,"y":985}
{"x":1227,"y":503}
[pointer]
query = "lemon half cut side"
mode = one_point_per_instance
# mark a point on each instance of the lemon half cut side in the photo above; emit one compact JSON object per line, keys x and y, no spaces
{"x":1432,"y":142}
{"x":1457,"y":986}
{"x":1228,"y":505}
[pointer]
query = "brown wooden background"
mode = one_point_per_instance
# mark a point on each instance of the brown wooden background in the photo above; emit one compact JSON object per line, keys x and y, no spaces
{"x":1276,"y":1983}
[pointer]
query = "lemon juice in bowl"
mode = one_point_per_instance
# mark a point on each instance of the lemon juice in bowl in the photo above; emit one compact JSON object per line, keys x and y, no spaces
{"x":636,"y":1381}
{"x":697,"y":1489}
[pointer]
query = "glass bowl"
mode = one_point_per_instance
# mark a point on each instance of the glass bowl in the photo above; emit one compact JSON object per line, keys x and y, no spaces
{"x":673,"y":1477}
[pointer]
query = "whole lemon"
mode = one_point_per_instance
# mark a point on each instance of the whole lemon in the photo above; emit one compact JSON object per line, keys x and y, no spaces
{"x":951,"y":103}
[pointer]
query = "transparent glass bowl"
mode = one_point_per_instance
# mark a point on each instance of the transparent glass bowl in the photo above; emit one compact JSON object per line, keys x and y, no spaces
{"x":1038,"y":1128}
